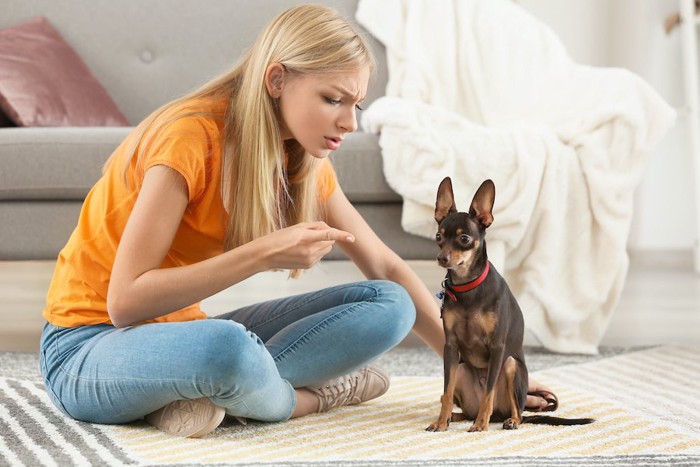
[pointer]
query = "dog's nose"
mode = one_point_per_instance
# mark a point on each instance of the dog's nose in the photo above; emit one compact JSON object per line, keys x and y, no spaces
{"x":443,"y":259}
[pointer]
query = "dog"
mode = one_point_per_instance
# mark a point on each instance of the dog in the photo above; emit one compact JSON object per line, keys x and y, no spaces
{"x":483,"y":323}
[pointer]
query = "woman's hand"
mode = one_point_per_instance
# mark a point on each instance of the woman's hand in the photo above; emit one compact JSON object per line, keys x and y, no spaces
{"x":301,"y":246}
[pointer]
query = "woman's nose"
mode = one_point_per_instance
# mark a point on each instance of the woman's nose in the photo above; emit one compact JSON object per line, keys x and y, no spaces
{"x":348,"y":121}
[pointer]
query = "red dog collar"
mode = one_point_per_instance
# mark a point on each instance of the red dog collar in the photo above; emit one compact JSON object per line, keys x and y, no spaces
{"x":450,"y":290}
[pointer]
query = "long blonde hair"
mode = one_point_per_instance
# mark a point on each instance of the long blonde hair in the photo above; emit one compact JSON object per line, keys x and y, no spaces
{"x":268,"y":193}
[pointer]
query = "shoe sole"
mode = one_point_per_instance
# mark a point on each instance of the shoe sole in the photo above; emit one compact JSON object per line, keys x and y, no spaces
{"x":188,"y":418}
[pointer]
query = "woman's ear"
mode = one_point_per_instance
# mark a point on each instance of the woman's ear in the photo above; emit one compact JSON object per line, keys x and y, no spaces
{"x":274,"y":79}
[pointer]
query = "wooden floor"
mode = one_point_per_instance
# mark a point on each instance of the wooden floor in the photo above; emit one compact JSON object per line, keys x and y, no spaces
{"x":660,"y":303}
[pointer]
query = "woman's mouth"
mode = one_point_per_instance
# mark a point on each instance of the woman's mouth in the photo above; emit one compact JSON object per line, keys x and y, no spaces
{"x":333,"y":143}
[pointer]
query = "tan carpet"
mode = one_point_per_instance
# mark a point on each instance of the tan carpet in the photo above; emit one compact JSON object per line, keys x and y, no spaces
{"x":644,"y":403}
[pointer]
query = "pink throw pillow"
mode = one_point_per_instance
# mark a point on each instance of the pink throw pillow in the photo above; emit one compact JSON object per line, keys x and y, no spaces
{"x":43,"y":81}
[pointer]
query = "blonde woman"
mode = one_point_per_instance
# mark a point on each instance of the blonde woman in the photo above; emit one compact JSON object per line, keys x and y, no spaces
{"x":217,"y":186}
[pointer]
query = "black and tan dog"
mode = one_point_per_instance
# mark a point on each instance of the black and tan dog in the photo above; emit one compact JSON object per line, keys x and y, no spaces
{"x":482,"y":321}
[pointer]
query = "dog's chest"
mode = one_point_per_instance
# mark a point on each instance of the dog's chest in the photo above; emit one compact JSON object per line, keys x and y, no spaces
{"x":472,"y":330}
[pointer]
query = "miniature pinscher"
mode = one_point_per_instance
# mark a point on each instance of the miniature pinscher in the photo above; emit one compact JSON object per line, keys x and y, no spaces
{"x":483,"y":323}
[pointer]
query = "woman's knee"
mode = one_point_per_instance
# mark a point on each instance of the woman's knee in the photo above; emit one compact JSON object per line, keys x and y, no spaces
{"x":229,"y":355}
{"x":398,"y":309}
{"x":398,"y":299}
{"x":246,"y":379}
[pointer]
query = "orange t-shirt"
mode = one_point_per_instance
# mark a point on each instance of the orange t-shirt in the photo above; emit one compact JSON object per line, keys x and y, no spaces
{"x":191,"y":145}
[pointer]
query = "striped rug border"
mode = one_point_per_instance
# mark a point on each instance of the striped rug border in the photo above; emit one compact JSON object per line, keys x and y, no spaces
{"x":35,"y":433}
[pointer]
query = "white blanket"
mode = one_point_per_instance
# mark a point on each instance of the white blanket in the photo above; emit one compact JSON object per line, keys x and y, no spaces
{"x":481,"y":89}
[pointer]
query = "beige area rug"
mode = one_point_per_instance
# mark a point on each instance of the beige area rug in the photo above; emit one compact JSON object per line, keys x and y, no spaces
{"x":645,"y":402}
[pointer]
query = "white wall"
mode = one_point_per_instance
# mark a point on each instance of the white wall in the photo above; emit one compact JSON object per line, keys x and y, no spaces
{"x":630,"y":34}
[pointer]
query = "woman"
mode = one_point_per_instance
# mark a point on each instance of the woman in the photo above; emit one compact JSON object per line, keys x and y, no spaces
{"x":209,"y":190}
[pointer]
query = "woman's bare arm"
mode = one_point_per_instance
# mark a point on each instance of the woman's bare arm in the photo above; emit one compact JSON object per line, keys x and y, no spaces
{"x":140,"y":289}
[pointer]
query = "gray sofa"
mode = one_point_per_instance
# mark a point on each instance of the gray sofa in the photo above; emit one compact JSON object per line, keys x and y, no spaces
{"x":145,"y":54}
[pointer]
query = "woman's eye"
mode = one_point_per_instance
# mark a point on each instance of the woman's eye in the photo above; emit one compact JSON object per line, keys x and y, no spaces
{"x":332,"y":101}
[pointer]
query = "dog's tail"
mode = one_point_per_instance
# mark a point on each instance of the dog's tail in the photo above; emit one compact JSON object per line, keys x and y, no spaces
{"x":556,"y":421}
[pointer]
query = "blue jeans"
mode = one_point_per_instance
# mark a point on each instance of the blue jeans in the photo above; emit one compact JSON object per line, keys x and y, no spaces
{"x":248,"y":361}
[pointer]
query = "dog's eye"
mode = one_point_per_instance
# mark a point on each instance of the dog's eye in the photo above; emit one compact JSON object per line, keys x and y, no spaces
{"x":438,"y":237}
{"x":465,"y":239}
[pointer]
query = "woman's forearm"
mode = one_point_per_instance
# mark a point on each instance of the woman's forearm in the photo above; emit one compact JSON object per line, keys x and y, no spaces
{"x":161,"y":291}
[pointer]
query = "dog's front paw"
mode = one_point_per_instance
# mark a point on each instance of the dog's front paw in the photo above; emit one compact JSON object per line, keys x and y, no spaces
{"x":438,"y":426}
{"x":510,"y":424}
{"x":477,"y":427}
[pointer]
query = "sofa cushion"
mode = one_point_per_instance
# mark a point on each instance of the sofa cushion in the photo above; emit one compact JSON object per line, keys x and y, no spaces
{"x":64,"y":163}
{"x":54,"y":163}
{"x":43,"y":81}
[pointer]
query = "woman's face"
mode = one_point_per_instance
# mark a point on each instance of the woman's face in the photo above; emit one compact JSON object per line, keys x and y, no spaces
{"x":318,"y":111}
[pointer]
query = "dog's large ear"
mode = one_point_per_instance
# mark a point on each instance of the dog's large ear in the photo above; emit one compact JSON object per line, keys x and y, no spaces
{"x":482,"y":204}
{"x":445,"y":203}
